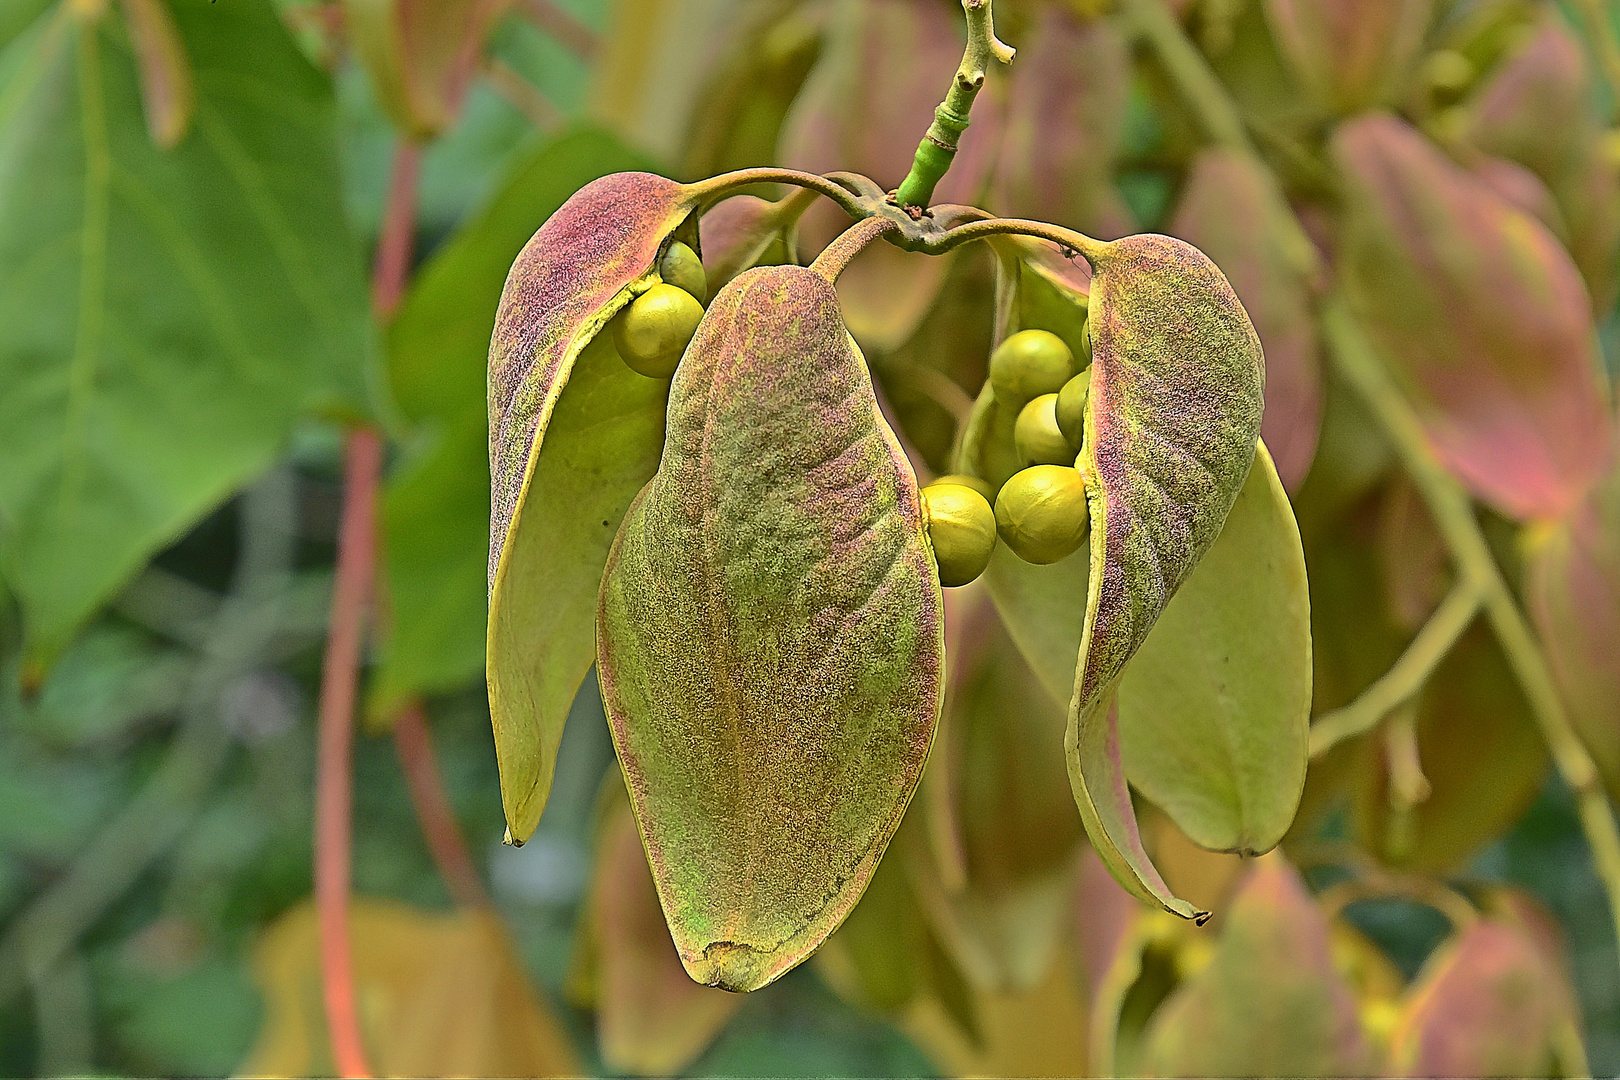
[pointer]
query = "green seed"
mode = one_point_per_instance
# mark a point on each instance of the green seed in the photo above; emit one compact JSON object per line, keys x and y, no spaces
{"x":651,"y":334}
{"x":961,"y":529}
{"x":1030,"y":363}
{"x":1071,"y":407}
{"x":682,"y":268}
{"x":1041,"y":513}
{"x":1037,"y":437}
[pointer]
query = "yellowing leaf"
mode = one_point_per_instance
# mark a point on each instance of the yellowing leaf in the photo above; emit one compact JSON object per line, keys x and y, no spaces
{"x":436,"y":994}
{"x":770,"y":641}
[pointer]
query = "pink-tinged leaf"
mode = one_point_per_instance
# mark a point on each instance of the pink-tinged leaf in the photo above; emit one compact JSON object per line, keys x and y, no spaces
{"x":770,"y":640}
{"x":1350,"y":54}
{"x":1572,"y":586}
{"x":1171,"y":426}
{"x":575,"y":460}
{"x":1232,"y":210}
{"x":1413,"y":562}
{"x":421,"y":55}
{"x":1486,"y":1004}
{"x":1536,"y":109}
{"x":651,"y":1020}
{"x":1484,"y":316}
{"x":1516,"y":184}
{"x":167,"y":92}
{"x":1065,"y":115}
{"x":867,"y":102}
{"x":1270,"y":1002}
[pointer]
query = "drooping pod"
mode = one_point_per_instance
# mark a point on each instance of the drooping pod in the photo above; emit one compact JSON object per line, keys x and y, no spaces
{"x":770,"y":639}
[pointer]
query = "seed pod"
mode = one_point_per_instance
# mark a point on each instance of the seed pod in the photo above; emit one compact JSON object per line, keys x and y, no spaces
{"x":770,"y":641}
{"x":1071,"y":408}
{"x":653,"y":331}
{"x":682,"y":268}
{"x":1029,"y":363}
{"x":962,"y":530}
{"x":1041,"y":513}
{"x":1037,"y":436}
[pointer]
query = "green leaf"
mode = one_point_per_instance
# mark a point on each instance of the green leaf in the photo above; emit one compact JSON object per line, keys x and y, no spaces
{"x":1214,"y":710}
{"x":436,"y":509}
{"x":166,"y":316}
{"x":576,"y":458}
{"x":770,"y":634}
{"x":1172,"y":422}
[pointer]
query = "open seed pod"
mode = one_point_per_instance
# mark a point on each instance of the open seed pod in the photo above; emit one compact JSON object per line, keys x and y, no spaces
{"x":770,"y":639}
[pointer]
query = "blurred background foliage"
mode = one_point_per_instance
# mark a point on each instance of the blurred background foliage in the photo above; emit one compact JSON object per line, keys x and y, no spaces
{"x":190,"y":196}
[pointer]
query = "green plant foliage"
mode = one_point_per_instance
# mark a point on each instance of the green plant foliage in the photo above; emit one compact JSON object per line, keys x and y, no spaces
{"x":1214,"y":709}
{"x":436,"y":507}
{"x":578,"y":458}
{"x":1172,"y":422}
{"x":217,"y":295}
{"x":770,"y":641}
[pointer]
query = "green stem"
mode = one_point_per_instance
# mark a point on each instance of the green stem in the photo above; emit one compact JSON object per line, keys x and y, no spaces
{"x":1406,"y":676}
{"x":1454,"y":515}
{"x":938,"y":146}
{"x":1200,"y":89}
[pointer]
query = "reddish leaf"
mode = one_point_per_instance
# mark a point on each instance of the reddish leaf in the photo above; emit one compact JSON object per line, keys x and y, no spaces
{"x":421,"y":55}
{"x":1232,"y":210}
{"x":1484,"y":315}
{"x":1065,"y":114}
{"x":1350,"y":54}
{"x":1572,"y":585}
{"x":1270,"y":1002}
{"x":604,"y":442}
{"x":1486,"y":1004}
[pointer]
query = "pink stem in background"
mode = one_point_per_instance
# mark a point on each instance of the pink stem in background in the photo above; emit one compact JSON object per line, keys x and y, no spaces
{"x":413,"y":744}
{"x":351,"y":594}
{"x":564,"y":27}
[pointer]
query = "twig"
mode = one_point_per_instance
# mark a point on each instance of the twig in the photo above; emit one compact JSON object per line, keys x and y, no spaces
{"x":413,"y":745}
{"x":1406,"y":676}
{"x":1379,"y":885}
{"x":564,"y":27}
{"x":524,"y":96}
{"x":938,"y":146}
{"x":1201,"y":90}
{"x":1454,"y":515}
{"x":393,"y":261}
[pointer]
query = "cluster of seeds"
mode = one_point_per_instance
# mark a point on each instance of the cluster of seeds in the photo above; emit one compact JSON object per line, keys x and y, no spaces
{"x":1040,"y":512}
{"x":653,"y":330}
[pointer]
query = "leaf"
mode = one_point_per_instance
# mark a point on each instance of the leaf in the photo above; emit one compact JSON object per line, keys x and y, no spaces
{"x":1214,"y":710}
{"x":770,"y":642}
{"x":1484,"y":316}
{"x":166,"y":87}
{"x":869,"y":98}
{"x":1481,"y":753}
{"x":1486,"y":1003}
{"x":436,"y":506}
{"x":651,"y":1019}
{"x":1172,"y":422}
{"x":1232,"y":210}
{"x":439,"y":995}
{"x":421,"y":55}
{"x":1572,"y":588}
{"x":578,"y":458}
{"x":1065,"y":117}
{"x":1351,"y":55}
{"x":1270,"y":1002}
{"x":166,"y":316}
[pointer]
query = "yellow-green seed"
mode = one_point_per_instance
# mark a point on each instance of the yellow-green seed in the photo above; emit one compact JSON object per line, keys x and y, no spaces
{"x":682,"y":268}
{"x":652,"y":332}
{"x":1041,"y":513}
{"x":1037,"y":437}
{"x":1030,"y":363}
{"x":977,"y":483}
{"x":1071,"y":407}
{"x":961,"y":529}
{"x":1085,"y":343}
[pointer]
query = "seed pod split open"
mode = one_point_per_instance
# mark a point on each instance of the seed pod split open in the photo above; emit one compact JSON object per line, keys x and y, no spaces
{"x":770,"y":640}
